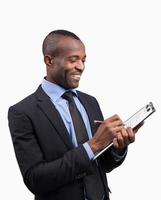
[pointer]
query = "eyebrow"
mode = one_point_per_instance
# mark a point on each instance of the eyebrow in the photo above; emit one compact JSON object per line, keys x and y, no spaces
{"x":76,"y":56}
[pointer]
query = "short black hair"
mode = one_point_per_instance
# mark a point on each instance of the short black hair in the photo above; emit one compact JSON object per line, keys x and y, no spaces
{"x":49,"y":44}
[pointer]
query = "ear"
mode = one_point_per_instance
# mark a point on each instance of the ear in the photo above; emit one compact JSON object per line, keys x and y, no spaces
{"x":48,"y":60}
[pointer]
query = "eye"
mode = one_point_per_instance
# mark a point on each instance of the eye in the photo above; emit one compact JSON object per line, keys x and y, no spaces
{"x":73,"y":59}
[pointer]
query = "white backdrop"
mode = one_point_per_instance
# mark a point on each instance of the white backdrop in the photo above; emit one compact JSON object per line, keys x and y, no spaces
{"x":123,"y":43}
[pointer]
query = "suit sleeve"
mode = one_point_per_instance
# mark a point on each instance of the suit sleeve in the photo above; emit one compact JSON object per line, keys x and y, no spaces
{"x":39,"y":175}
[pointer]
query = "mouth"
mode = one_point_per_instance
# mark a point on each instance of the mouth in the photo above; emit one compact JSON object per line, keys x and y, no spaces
{"x":76,"y":76}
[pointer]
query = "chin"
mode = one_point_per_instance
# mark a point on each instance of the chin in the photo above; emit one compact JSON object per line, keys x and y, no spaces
{"x":67,"y":87}
{"x":73,"y":85}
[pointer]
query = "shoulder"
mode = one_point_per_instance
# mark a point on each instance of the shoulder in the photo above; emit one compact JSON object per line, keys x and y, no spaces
{"x":86,"y":96}
{"x":91,"y":104}
{"x":89,"y":99}
{"x":26,"y":101}
{"x":29,"y":102}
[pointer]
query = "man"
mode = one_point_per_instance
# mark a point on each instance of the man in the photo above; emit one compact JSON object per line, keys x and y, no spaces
{"x":55,"y":160}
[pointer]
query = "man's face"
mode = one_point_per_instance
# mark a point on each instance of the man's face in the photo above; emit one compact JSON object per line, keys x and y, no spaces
{"x":68,"y":66}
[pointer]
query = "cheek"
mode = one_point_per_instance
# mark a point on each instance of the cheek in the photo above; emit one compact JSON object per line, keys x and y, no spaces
{"x":67,"y":70}
{"x":61,"y":71}
{"x":66,"y":76}
{"x":58,"y":74}
{"x":62,"y":75}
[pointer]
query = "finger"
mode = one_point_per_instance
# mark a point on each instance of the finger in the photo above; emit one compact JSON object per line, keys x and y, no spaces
{"x":114,"y":118}
{"x":113,"y":123}
{"x":117,"y":123}
{"x":125,"y":136}
{"x":115,"y":143}
{"x":120,"y":141}
{"x":131,"y":134}
{"x":117,"y":129}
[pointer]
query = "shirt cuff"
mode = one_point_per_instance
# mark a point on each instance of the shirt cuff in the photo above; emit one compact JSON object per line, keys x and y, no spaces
{"x":89,"y":151}
{"x":118,"y":157}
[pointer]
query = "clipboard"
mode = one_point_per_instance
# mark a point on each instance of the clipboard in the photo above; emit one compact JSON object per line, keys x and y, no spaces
{"x":133,"y":121}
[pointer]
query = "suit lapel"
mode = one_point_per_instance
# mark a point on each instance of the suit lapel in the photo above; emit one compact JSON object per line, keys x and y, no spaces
{"x":53,"y":115}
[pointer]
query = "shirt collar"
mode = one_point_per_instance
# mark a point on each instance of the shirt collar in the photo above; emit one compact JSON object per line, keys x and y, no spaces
{"x":53,"y":90}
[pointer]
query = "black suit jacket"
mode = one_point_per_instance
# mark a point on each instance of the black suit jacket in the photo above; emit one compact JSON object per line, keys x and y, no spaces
{"x":51,"y":167}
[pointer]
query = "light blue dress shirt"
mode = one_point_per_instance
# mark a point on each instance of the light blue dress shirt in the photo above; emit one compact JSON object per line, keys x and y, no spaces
{"x":55,"y":93}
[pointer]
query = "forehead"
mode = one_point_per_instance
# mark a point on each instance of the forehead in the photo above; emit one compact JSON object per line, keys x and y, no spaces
{"x":70,"y":46}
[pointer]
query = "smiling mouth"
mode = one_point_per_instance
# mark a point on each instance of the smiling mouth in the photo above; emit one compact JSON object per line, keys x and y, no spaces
{"x":76,"y":76}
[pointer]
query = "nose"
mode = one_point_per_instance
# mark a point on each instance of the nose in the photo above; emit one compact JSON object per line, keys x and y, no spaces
{"x":80,"y":65}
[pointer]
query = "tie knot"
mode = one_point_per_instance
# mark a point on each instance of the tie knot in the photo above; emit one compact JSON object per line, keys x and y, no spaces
{"x":68,"y":96}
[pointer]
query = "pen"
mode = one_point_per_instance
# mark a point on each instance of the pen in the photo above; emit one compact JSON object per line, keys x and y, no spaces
{"x":97,"y":121}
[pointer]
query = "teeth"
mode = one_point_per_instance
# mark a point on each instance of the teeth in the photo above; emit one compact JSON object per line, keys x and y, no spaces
{"x":76,"y":75}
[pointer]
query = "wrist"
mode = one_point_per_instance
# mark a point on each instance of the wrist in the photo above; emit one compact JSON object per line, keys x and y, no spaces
{"x":93,"y":146}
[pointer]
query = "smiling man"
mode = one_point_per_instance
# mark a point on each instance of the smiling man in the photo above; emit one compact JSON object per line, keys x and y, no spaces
{"x":53,"y":130}
{"x":64,"y":57}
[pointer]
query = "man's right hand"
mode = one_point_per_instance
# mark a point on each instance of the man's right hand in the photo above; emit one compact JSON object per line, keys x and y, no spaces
{"x":106,"y":133}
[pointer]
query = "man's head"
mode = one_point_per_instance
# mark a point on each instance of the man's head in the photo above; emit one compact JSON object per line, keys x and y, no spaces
{"x":64,"y":55}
